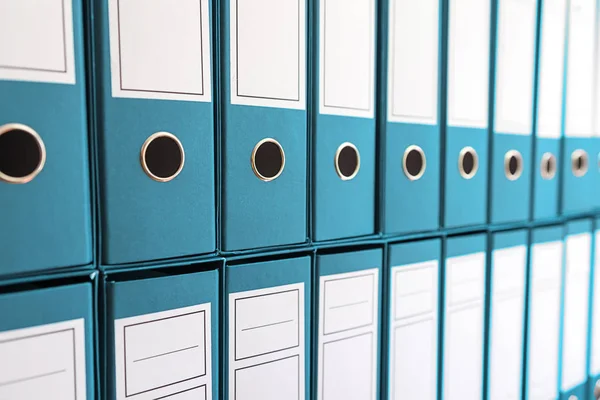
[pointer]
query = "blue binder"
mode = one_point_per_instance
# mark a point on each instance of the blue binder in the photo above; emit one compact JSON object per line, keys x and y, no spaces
{"x":464,"y":293}
{"x":266,"y":330}
{"x":579,"y":164}
{"x":343,"y":157}
{"x":507,"y":275}
{"x":413,"y":292}
{"x":264,"y":144}
{"x":347,"y":309}
{"x":44,"y":167}
{"x":466,"y":121}
{"x":47,"y":341}
{"x":410,"y":120}
{"x":575,"y":318}
{"x":155,"y":125}
{"x":545,"y":278}
{"x":594,"y":327}
{"x":161,"y":333}
{"x":549,"y":112}
{"x":511,"y":140}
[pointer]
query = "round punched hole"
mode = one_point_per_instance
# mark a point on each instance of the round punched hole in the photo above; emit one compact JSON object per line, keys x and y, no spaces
{"x":548,"y":166}
{"x":597,"y":390}
{"x":468,"y":162}
{"x":347,"y":161}
{"x":579,"y":163}
{"x":513,"y":165}
{"x":414,"y":162}
{"x":162,"y":156}
{"x":573,"y":397}
{"x":268,"y":159}
{"x":22,"y":153}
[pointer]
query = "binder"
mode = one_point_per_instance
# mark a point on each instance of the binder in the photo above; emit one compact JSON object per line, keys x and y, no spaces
{"x":161,"y":333}
{"x":464,"y":277}
{"x":515,"y":47}
{"x":467,"y":109}
{"x":44,"y":167}
{"x":267,"y":330}
{"x":413,"y":291}
{"x":343,"y":119}
{"x":155,"y":127}
{"x":347,"y":306}
{"x":579,"y":164}
{"x":411,"y":102}
{"x":47,"y":341}
{"x":594,"y":349}
{"x":506,"y":333}
{"x":549,"y":111}
{"x":575,"y":318}
{"x":264,"y":124}
{"x":544,"y":304}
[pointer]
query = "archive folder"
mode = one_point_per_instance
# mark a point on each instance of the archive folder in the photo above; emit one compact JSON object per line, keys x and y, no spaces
{"x":47,"y":341}
{"x":155,"y":126}
{"x":347,"y":303}
{"x":594,"y":349}
{"x":466,"y":123}
{"x":413,"y":293}
{"x":544,"y":305}
{"x":161,"y":333}
{"x":44,"y":167}
{"x":549,"y":113}
{"x":575,"y":318}
{"x":463,"y":315}
{"x":507,"y":274}
{"x":511,"y":136}
{"x":579,"y":164}
{"x":343,"y":118}
{"x":266,"y":330}
{"x":263,"y":113}
{"x":410,"y":126}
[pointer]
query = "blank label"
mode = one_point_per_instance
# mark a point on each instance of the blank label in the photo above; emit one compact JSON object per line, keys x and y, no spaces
{"x":575,"y":318}
{"x":44,"y":362}
{"x":515,"y":61}
{"x":160,"y":49}
{"x":348,"y":330}
{"x":413,"y":61}
{"x":508,"y":307}
{"x":161,"y":354}
{"x":580,"y":69}
{"x":37,"y":42}
{"x":413,"y":347}
{"x":266,"y":343}
{"x":347,"y":57}
{"x":463,"y":327}
{"x":268,"y":53}
{"x":468,"y":63}
{"x":551,"y":68}
{"x":543,"y":343}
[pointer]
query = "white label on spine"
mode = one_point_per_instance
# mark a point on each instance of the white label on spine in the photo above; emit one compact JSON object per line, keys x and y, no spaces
{"x":413,"y":61}
{"x":268,"y":53}
{"x":44,"y":362}
{"x":160,"y":51}
{"x":266,"y":343}
{"x":551,"y":68}
{"x":164,"y":354}
{"x":347,"y":57}
{"x":595,"y":351}
{"x":597,"y":93}
{"x":37,"y":41}
{"x":468,"y":63}
{"x":580,"y":69}
{"x":413,"y":331}
{"x":575,"y":318}
{"x":544,"y":319}
{"x":507,"y":308}
{"x":463,"y":327}
{"x":348,"y":331}
{"x":515,"y":62}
